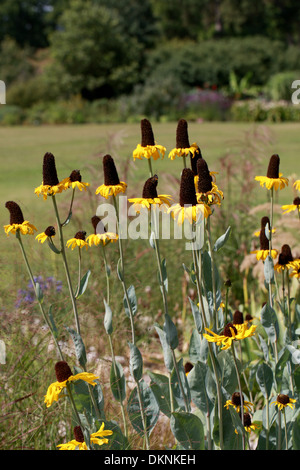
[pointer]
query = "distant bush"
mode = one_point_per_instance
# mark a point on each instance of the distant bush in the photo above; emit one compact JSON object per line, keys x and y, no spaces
{"x":257,"y":111}
{"x":279,"y":86}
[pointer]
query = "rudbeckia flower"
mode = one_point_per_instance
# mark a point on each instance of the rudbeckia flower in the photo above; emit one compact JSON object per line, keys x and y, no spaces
{"x":148,"y":148}
{"x":64,"y":376}
{"x":17,"y":222}
{"x":188,"y":207}
{"x":207,"y":191}
{"x":150,"y":198}
{"x":235,"y":402}
{"x":282,"y":401}
{"x":297,"y":185}
{"x":274,"y":179}
{"x":51,"y":184}
{"x":78,"y":443}
{"x":100,"y":235}
{"x":78,"y":240}
{"x":295,"y":271}
{"x":188,"y":366}
{"x":264,"y":250}
{"x":285,"y":259}
{"x":112,"y":185}
{"x":248,"y":425}
{"x":75,"y":181}
{"x":49,"y":232}
{"x":230,"y":334}
{"x":292,"y":207}
{"x":183,"y":147}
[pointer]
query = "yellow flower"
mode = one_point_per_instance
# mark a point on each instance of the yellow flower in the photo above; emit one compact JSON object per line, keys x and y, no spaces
{"x":230,"y":334}
{"x":274,"y":179}
{"x":264,"y":251}
{"x":295,"y":272}
{"x":183,"y":147}
{"x":50,"y":185}
{"x":292,"y":207}
{"x":206,"y":190}
{"x":235,"y":402}
{"x":79,"y":444}
{"x":189,"y":213}
{"x":282,"y":401}
{"x":49,"y":232}
{"x":285,"y":259}
{"x":47,"y":190}
{"x":248,"y":425}
{"x":17,"y":222}
{"x":179,"y":152}
{"x":112,"y":185}
{"x":263,"y":254}
{"x":111,"y":190}
{"x":150,"y":198}
{"x":78,"y":240}
{"x":297,"y":185}
{"x":64,"y":376}
{"x":74,"y":181}
{"x":214,"y":196}
{"x":104,"y":238}
{"x":148,"y":148}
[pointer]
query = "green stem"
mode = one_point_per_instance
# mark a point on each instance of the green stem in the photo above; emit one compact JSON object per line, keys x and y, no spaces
{"x":285,"y":430}
{"x":18,"y":236}
{"x":240,"y":390}
{"x":268,"y":423}
{"x":107,"y":276}
{"x":208,"y":231}
{"x":288,"y":303}
{"x":150,"y":167}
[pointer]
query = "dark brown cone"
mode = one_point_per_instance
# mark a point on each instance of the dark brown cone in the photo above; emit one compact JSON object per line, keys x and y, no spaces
{"x":187,"y":195}
{"x":111,"y":177}
{"x":249,"y":317}
{"x":286,"y":251}
{"x":188,"y":367}
{"x":273,"y":168}
{"x":50,"y":231}
{"x":264,"y":242}
{"x":147,"y":133}
{"x":204,"y":178}
{"x":182,"y":137}
{"x":227,"y":332}
{"x":238,"y":318}
{"x":16,"y":215}
{"x":283,"y":399}
{"x":78,"y":434}
{"x":62,"y":371}
{"x":49,"y":170}
{"x":149,"y":190}
{"x":236,"y":398}
{"x":194,"y":160}
{"x":95,"y":221}
{"x":75,"y":176}
{"x":80,"y":235}
{"x":296,"y":201}
{"x":247,"y":420}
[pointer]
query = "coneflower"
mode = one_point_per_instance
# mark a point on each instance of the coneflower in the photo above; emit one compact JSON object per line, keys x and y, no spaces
{"x":17,"y":222}
{"x":50,"y":185}
{"x":148,"y":148}
{"x":274,"y":179}
{"x":112,"y":184}
{"x":183,"y":147}
{"x":150,"y":198}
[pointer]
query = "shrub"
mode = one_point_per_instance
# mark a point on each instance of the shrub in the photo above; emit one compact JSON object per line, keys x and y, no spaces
{"x":279,"y":86}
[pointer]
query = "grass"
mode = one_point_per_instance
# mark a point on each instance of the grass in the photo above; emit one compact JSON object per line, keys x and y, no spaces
{"x":22,"y":150}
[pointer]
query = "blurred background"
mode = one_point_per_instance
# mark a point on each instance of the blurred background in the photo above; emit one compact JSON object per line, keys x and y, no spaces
{"x":79,"y":61}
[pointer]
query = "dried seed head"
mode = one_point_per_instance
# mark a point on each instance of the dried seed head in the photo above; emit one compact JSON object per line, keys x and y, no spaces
{"x":227,"y":330}
{"x":204,"y":178}
{"x":149,"y":190}
{"x":98,"y":228}
{"x":296,"y":201}
{"x":16,"y":215}
{"x":283,"y":399}
{"x":188,"y":367}
{"x":286,"y":251}
{"x":49,"y":170}
{"x":147,"y":133}
{"x":50,"y":231}
{"x":62,"y":371}
{"x":80,"y":235}
{"x":75,"y":176}
{"x":182,"y":137}
{"x":111,"y":177}
{"x":78,"y":434}
{"x":194,"y":160}
{"x":236,"y":398}
{"x":187,"y":195}
{"x":273,"y":168}
{"x":247,"y":420}
{"x":238,"y":318}
{"x":264,"y":242}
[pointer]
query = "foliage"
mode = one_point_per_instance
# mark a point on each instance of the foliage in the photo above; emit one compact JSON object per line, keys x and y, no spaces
{"x":279,"y":86}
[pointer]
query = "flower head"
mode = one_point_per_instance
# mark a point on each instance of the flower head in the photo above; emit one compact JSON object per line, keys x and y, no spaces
{"x":75,"y":181}
{"x":248,"y":425}
{"x":64,"y":375}
{"x":235,"y":402}
{"x":112,"y":185}
{"x":78,"y":240}
{"x":150,"y":198}
{"x":285,"y":259}
{"x":274,"y":179}
{"x":188,"y":207}
{"x":17,"y":222}
{"x":148,"y":147}
{"x":207,"y":191}
{"x":100,"y":235}
{"x":183,"y":147}
{"x":48,"y":233}
{"x":51,"y":184}
{"x":264,"y":250}
{"x":230,"y":334}
{"x":297,"y":185}
{"x":292,"y":207}
{"x":282,"y":401}
{"x":98,"y":437}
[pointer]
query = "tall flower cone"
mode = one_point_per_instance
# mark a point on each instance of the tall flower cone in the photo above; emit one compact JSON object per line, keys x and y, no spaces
{"x":112,"y":185}
{"x":183,"y":147}
{"x":264,"y":250}
{"x":188,"y":208}
{"x":150,"y":198}
{"x":78,"y":240}
{"x":207,"y":191}
{"x":194,"y":159}
{"x":75,"y":181}
{"x":148,"y":148}
{"x":17,"y":222}
{"x":274,"y":179}
{"x":50,"y":185}
{"x":285,"y":259}
{"x":100,"y":235}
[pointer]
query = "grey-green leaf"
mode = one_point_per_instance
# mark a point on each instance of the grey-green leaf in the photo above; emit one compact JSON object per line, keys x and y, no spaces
{"x":187,"y":428}
{"x":171,"y":332}
{"x":108,"y":319}
{"x":135,"y":362}
{"x":150,"y":407}
{"x":118,"y":382}
{"x":83,"y":284}
{"x":79,"y":346}
{"x":264,"y":377}
{"x":220,"y":242}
